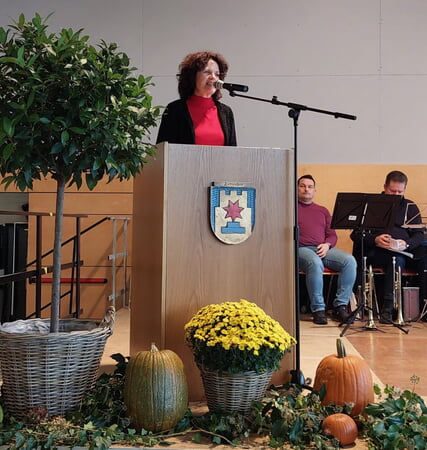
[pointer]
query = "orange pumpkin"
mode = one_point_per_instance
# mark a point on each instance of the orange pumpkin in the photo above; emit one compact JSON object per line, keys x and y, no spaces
{"x":341,"y":427}
{"x":347,"y":379}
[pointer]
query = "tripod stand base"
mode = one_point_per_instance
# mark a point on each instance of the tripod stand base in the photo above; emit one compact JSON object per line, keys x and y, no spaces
{"x":297,"y":377}
{"x":400,"y":326}
{"x":423,"y":312}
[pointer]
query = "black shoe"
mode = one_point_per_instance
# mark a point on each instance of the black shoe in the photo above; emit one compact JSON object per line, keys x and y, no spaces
{"x":386,"y":317}
{"x":341,"y":314}
{"x":319,"y":317}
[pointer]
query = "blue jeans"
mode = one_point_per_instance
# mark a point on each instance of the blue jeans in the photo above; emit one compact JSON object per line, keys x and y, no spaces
{"x":336,"y":260}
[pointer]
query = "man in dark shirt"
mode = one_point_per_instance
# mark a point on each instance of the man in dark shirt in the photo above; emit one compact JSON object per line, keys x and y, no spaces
{"x":380,"y":245}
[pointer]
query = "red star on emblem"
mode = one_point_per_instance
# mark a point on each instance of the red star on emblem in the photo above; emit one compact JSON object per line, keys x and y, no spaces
{"x":233,"y":210}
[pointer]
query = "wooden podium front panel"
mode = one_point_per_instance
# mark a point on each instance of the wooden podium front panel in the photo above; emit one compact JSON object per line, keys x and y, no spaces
{"x":179,"y":265}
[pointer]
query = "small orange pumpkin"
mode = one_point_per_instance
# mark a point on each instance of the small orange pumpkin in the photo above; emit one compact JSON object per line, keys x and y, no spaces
{"x":347,"y":379}
{"x":341,"y":427}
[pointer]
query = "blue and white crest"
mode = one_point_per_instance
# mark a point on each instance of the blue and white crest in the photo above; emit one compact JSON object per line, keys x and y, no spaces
{"x":232,"y":212}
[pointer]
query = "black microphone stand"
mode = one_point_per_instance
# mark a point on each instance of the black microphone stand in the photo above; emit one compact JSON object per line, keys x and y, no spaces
{"x":297,"y":377}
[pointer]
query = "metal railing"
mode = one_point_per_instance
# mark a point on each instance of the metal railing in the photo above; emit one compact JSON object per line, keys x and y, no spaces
{"x":35,"y":275}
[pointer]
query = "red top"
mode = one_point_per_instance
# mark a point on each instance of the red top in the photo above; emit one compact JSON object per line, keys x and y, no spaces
{"x":204,"y":114}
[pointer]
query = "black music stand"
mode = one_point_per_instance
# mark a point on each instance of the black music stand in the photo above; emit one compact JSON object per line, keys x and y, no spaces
{"x":361,"y":212}
{"x":357,"y":211}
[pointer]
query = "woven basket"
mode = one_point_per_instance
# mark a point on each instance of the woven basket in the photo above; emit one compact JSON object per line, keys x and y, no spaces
{"x":234,"y":392}
{"x":51,"y":370}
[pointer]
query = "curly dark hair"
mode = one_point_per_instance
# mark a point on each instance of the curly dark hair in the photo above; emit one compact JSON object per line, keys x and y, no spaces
{"x":193,"y":63}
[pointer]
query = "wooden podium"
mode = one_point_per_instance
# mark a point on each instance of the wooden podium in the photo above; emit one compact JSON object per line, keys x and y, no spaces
{"x":179,"y":265}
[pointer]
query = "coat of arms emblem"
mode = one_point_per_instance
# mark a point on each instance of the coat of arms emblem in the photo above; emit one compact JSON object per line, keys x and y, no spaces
{"x":232,"y":211}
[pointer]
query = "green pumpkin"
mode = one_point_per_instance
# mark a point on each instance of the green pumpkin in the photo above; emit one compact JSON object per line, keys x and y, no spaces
{"x":155,"y":392}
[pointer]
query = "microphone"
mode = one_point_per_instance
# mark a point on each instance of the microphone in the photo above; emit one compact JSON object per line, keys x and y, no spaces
{"x":219,"y":84}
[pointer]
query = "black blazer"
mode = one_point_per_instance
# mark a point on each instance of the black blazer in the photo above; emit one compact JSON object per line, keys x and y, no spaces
{"x":177,"y":127}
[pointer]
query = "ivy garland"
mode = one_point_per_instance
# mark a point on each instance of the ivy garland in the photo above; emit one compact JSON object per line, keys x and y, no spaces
{"x":288,"y":417}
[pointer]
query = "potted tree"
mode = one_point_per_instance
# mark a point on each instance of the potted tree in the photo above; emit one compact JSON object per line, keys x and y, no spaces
{"x":71,"y":112}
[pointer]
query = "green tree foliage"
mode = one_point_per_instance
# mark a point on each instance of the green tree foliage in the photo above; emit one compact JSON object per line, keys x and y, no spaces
{"x":70,"y":111}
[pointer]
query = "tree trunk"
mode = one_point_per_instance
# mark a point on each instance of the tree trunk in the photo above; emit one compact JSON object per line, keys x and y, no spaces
{"x":57,"y":249}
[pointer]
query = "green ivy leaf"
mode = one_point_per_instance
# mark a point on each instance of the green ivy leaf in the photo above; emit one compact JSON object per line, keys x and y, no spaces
{"x":420,"y":442}
{"x":77,"y":130}
{"x":197,"y":438}
{"x":3,"y":35}
{"x":56,"y":148}
{"x":65,"y":137}
{"x":7,"y":126}
{"x":7,"y":151}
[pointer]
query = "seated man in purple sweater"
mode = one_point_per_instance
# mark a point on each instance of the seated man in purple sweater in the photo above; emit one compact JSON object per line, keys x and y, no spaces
{"x":317,"y":250}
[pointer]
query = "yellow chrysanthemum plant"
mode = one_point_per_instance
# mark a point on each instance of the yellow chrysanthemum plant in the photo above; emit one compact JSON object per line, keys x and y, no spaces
{"x":237,"y":337}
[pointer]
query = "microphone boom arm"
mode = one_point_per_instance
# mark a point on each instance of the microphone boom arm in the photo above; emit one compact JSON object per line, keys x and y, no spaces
{"x":296,"y":106}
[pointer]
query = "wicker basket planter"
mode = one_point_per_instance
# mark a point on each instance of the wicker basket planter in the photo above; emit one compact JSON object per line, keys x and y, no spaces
{"x":51,"y":370}
{"x":234,"y":392}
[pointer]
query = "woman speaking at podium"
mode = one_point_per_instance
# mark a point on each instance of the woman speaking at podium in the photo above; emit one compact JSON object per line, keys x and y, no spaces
{"x":198,"y":117}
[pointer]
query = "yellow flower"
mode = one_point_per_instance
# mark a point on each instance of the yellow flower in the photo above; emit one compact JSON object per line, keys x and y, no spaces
{"x":239,"y":327}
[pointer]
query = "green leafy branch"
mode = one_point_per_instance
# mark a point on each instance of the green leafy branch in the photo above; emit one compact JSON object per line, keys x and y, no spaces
{"x":398,"y":420}
{"x":288,"y":417}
